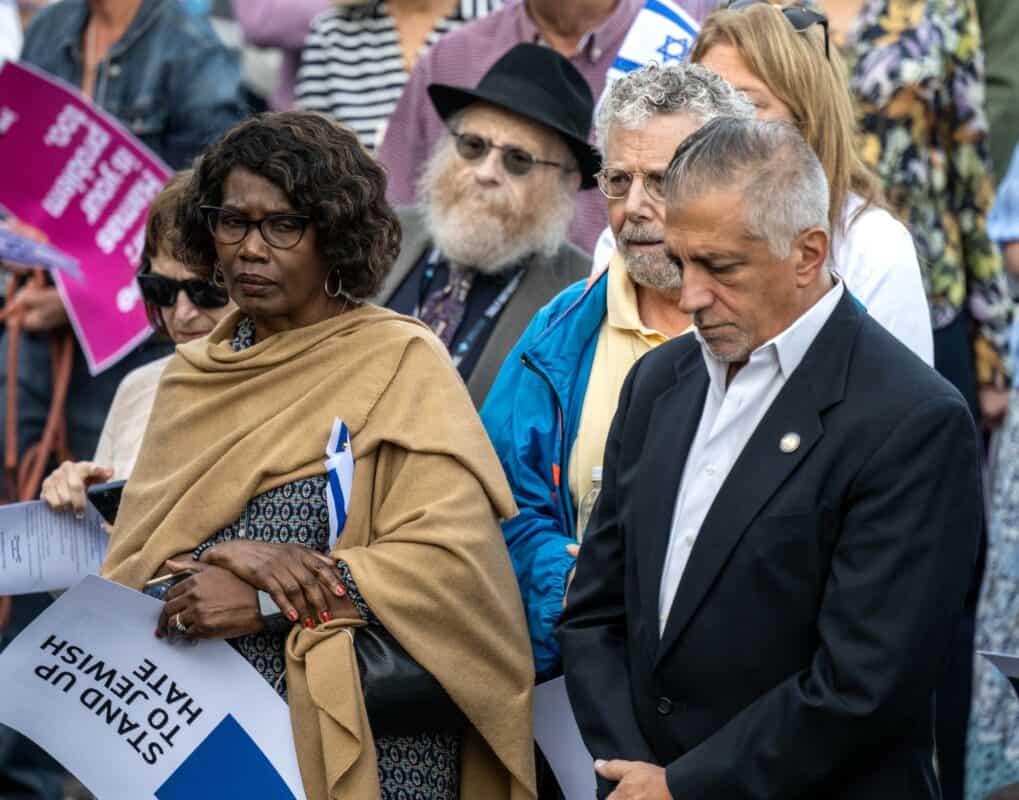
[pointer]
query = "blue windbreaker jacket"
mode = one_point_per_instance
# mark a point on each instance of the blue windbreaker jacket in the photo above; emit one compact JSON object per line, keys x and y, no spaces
{"x":532,"y":414}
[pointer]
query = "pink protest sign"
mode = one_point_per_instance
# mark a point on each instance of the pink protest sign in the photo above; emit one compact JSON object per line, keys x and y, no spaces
{"x":73,"y":172}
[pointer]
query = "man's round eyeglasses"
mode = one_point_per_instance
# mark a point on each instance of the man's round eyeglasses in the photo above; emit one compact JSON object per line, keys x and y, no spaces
{"x":282,"y":231}
{"x":515,"y":160}
{"x":615,"y":183}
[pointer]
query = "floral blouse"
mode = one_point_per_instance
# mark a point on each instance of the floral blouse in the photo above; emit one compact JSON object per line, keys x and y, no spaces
{"x":917,"y":71}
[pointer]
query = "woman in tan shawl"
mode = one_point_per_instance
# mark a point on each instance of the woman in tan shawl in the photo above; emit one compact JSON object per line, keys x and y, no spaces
{"x":232,"y":479}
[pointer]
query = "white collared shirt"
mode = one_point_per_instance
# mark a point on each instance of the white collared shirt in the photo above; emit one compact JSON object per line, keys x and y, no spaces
{"x":729,"y":419}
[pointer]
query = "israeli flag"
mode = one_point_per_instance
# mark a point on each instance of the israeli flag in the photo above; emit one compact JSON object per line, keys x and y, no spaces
{"x":340,"y":478}
{"x":662,"y":32}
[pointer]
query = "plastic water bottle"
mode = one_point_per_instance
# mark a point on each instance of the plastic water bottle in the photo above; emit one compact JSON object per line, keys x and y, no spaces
{"x":587,"y":503}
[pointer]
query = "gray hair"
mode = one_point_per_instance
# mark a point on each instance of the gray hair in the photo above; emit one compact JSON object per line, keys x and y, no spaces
{"x":674,"y":89}
{"x":783,"y":184}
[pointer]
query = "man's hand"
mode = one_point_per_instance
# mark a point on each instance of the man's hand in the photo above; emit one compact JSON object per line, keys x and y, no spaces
{"x":42,"y":308}
{"x":635,"y":780}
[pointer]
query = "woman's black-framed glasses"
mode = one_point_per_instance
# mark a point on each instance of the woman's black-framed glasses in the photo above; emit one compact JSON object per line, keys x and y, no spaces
{"x":615,"y":183}
{"x":515,"y":160}
{"x":282,"y":231}
{"x":159,"y":290}
{"x":799,"y":17}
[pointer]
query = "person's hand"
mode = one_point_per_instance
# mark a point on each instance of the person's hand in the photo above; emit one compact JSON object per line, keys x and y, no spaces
{"x":211,"y":604}
{"x":64,"y":489}
{"x":573,"y":550}
{"x":41,"y":308}
{"x":305,"y":584}
{"x":635,"y":780}
{"x":993,"y":406}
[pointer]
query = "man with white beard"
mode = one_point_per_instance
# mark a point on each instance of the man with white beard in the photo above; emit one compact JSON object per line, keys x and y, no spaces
{"x":549,"y":411}
{"x":487,"y":246}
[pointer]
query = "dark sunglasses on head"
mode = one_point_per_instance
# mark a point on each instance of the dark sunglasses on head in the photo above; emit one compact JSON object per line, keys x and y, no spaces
{"x":515,"y":160}
{"x":162,"y":291}
{"x":800,"y":18}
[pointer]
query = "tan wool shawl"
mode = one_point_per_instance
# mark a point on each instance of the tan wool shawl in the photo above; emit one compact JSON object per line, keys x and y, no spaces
{"x":422,"y":537}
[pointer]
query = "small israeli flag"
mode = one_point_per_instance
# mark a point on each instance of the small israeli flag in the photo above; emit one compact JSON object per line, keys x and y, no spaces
{"x":662,"y":32}
{"x":340,"y":478}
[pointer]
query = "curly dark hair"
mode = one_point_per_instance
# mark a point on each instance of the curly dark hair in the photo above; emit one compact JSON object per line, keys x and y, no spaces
{"x":325,"y":173}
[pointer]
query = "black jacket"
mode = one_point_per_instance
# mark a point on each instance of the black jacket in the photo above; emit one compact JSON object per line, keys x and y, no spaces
{"x":801,"y":652}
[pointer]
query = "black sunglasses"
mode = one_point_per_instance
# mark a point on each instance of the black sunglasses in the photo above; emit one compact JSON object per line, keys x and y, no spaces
{"x":162,"y":291}
{"x":515,"y":160}
{"x":800,"y":18}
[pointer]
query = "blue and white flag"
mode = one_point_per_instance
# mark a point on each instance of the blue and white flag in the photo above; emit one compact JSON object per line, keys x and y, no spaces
{"x":340,"y":478}
{"x":662,"y":32}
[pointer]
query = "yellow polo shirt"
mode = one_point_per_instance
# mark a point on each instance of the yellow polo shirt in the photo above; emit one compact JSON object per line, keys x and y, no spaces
{"x":621,"y":341}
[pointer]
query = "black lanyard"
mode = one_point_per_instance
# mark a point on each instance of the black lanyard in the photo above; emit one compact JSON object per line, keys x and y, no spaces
{"x":461,"y":350}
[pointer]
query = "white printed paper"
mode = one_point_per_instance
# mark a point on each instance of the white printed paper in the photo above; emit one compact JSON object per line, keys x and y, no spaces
{"x":137,"y":718}
{"x":557,"y":734}
{"x":42,"y":550}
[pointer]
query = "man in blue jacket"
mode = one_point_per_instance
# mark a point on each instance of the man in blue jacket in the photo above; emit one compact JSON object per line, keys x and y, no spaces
{"x":549,"y":411}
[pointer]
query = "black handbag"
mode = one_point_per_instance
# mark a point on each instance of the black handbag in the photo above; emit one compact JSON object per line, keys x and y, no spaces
{"x":401,"y":697}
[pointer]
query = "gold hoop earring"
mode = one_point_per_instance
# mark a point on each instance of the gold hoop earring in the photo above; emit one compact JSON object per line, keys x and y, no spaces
{"x":217,"y":277}
{"x":339,"y":283}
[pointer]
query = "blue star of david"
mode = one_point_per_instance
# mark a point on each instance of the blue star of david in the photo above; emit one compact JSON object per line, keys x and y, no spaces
{"x":673,"y":49}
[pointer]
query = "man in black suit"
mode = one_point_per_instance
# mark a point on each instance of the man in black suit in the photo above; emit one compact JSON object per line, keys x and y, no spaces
{"x":788,"y":520}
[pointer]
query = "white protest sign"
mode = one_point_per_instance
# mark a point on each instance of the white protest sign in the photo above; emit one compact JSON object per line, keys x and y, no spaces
{"x":662,"y":32}
{"x":42,"y":550}
{"x":136,"y":717}
{"x":557,"y":734}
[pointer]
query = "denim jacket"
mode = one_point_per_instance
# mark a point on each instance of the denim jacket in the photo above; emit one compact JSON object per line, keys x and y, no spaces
{"x":168,"y":79}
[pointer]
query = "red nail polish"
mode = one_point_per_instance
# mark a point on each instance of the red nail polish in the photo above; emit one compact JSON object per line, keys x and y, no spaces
{"x":325,"y":616}
{"x":159,"y":634}
{"x":292,"y":616}
{"x":308,"y":623}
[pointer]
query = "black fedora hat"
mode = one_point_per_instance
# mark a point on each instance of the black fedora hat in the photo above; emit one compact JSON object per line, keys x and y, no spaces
{"x":539,"y":84}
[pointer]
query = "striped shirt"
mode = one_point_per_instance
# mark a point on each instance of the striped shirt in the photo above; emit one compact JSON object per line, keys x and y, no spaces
{"x":352,"y":65}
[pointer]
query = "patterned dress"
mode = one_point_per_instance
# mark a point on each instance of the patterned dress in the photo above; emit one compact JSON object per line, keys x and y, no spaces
{"x":916,"y":70}
{"x":420,"y":767}
{"x":992,"y":749}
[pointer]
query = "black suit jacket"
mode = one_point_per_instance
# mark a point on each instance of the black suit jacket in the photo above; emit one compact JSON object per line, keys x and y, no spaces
{"x":800,"y":655}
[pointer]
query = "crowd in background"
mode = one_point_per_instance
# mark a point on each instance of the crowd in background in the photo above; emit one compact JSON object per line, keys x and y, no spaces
{"x":922,"y":165}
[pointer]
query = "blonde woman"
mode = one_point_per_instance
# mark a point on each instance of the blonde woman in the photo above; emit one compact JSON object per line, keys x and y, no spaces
{"x":782,"y":60}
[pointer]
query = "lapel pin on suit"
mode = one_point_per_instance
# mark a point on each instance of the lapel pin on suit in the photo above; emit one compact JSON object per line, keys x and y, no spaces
{"x":789,"y":443}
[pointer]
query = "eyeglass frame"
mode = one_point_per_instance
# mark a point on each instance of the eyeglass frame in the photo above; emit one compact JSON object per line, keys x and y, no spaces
{"x":812,"y":18}
{"x":657,"y":196}
{"x":506,"y":150}
{"x":208,"y":212}
{"x":179,"y":286}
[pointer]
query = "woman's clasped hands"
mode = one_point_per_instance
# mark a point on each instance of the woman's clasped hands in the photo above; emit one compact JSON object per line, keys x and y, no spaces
{"x":219,"y":601}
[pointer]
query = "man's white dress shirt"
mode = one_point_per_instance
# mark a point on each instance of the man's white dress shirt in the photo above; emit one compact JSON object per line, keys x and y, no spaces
{"x":729,"y":419}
